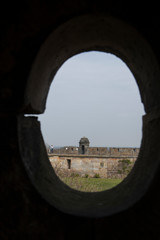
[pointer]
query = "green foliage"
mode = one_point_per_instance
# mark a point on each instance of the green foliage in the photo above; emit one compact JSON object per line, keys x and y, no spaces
{"x":124,"y":166}
{"x":125,"y":161}
{"x":86,"y":175}
{"x":96,"y":175}
{"x":73,"y":175}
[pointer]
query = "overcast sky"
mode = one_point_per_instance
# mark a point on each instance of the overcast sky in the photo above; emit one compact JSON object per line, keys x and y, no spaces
{"x":94,"y":95}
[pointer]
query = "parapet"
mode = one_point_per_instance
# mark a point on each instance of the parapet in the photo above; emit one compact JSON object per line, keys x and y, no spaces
{"x":84,"y":149}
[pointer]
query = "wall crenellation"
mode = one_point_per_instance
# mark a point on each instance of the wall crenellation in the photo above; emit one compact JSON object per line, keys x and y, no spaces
{"x":109,"y":152}
{"x":82,"y":160}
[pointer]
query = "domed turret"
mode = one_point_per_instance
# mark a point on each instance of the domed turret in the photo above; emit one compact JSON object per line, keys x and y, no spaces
{"x":83,"y":145}
{"x":84,"y":140}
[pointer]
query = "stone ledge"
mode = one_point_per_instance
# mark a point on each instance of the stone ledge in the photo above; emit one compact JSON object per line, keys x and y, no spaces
{"x":89,"y":156}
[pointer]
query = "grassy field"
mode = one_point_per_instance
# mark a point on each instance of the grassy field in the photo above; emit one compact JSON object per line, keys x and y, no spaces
{"x":90,"y":184}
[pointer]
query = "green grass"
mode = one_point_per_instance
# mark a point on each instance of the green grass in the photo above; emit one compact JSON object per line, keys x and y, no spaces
{"x":90,"y":184}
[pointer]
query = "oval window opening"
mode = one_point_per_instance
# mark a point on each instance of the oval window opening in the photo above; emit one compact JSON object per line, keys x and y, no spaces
{"x":93,"y":120}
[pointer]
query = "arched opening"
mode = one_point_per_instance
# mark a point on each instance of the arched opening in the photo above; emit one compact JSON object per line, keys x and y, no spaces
{"x":94,"y":94}
{"x":83,"y":149}
{"x":81,"y":34}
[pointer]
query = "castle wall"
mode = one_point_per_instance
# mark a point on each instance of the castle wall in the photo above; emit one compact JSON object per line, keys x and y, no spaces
{"x":104,"y":161}
{"x":102,"y":151}
{"x":66,"y":150}
{"x":106,"y":167}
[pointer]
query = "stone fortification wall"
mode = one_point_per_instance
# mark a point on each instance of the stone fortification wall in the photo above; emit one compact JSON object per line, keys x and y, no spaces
{"x":106,"y":167}
{"x":102,"y":151}
{"x":107,"y":162}
{"x":65,"y":150}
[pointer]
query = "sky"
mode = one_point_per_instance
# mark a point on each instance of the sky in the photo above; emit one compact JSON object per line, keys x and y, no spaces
{"x":95,"y":95}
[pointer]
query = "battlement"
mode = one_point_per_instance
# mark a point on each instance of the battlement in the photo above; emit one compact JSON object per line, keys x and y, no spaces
{"x":98,"y":151}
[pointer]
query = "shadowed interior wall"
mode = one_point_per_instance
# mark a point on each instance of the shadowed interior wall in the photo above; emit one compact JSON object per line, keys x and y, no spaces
{"x":24,"y":213}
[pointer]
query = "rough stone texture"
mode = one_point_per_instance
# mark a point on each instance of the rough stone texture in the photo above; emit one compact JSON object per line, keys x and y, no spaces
{"x":101,"y":151}
{"x":90,"y":160}
{"x":106,"y":167}
{"x":24,"y":214}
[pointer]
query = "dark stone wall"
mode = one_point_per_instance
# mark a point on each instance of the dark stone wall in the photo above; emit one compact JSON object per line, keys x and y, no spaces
{"x":24,"y":214}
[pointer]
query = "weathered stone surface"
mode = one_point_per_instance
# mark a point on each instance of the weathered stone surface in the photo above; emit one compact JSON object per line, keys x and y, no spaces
{"x":106,"y":167}
{"x":100,"y":151}
{"x":91,"y":160}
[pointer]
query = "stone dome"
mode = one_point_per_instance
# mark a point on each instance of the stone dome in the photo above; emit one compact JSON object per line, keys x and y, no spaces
{"x":84,"y":140}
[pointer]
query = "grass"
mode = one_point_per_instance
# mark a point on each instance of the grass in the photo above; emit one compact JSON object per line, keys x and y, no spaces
{"x":90,"y":184}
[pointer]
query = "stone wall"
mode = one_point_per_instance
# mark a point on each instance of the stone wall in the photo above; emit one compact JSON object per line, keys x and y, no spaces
{"x":105,"y":167}
{"x":102,"y":151}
